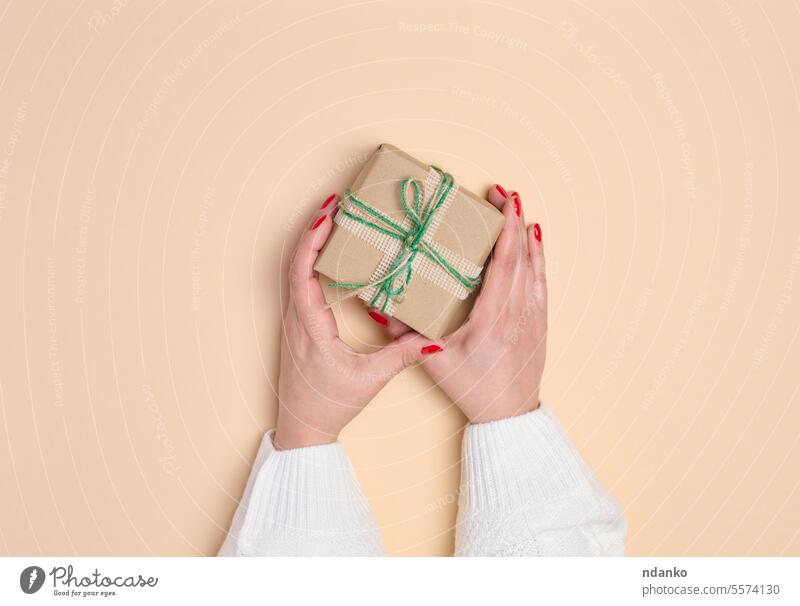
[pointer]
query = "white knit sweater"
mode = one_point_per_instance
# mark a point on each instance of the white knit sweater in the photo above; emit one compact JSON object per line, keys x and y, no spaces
{"x":525,"y":490}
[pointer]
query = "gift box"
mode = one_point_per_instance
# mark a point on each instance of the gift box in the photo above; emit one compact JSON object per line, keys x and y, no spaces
{"x":410,"y":242}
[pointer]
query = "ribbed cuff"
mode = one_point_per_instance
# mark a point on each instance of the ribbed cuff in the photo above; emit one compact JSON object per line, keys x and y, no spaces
{"x":306,"y":501}
{"x":527,"y":491}
{"x":509,"y":463}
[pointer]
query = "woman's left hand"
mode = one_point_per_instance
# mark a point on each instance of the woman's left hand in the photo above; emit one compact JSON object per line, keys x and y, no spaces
{"x":323,"y":382}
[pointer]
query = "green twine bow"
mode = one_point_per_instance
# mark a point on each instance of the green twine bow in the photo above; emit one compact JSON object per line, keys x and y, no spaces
{"x":394,"y":283}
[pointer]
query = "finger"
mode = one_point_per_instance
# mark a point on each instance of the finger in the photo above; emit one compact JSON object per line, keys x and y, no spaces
{"x":393,"y":327}
{"x":329,"y":206}
{"x":499,"y":276}
{"x":304,"y":287}
{"x":523,"y":239}
{"x":403,"y":352}
{"x":498,"y":196}
{"x":536,"y":250}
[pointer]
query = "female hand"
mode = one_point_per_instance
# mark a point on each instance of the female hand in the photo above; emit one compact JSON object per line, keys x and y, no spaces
{"x":492,"y":366}
{"x":323,"y":382}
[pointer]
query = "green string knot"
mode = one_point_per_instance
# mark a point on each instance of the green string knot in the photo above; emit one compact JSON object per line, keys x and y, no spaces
{"x":394,"y":283}
{"x":412,"y":241}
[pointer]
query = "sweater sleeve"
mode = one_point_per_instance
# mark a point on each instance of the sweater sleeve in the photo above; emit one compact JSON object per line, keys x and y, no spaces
{"x":526,"y":491}
{"x":303,"y":502}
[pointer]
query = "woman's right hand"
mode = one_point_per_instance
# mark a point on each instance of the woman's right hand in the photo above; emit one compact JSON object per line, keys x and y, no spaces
{"x":492,"y":366}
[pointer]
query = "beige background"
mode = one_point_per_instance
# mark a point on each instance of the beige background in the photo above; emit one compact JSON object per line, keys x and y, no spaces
{"x":159,"y":159}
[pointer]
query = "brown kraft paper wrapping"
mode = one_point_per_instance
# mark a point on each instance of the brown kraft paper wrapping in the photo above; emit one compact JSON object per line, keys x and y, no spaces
{"x":468,"y":228}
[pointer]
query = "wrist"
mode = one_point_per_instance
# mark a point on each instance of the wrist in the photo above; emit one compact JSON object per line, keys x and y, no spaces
{"x":498,"y":413}
{"x":292,"y":435}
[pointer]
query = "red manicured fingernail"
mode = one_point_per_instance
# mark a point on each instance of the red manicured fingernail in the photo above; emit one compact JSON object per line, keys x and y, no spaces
{"x":382,"y":320}
{"x":517,"y":203}
{"x":430,"y":349}
{"x":318,"y":222}
{"x":328,"y":200}
{"x":537,"y":232}
{"x":503,"y":192}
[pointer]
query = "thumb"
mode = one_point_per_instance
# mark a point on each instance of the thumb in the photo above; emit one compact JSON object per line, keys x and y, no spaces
{"x":405,"y":351}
